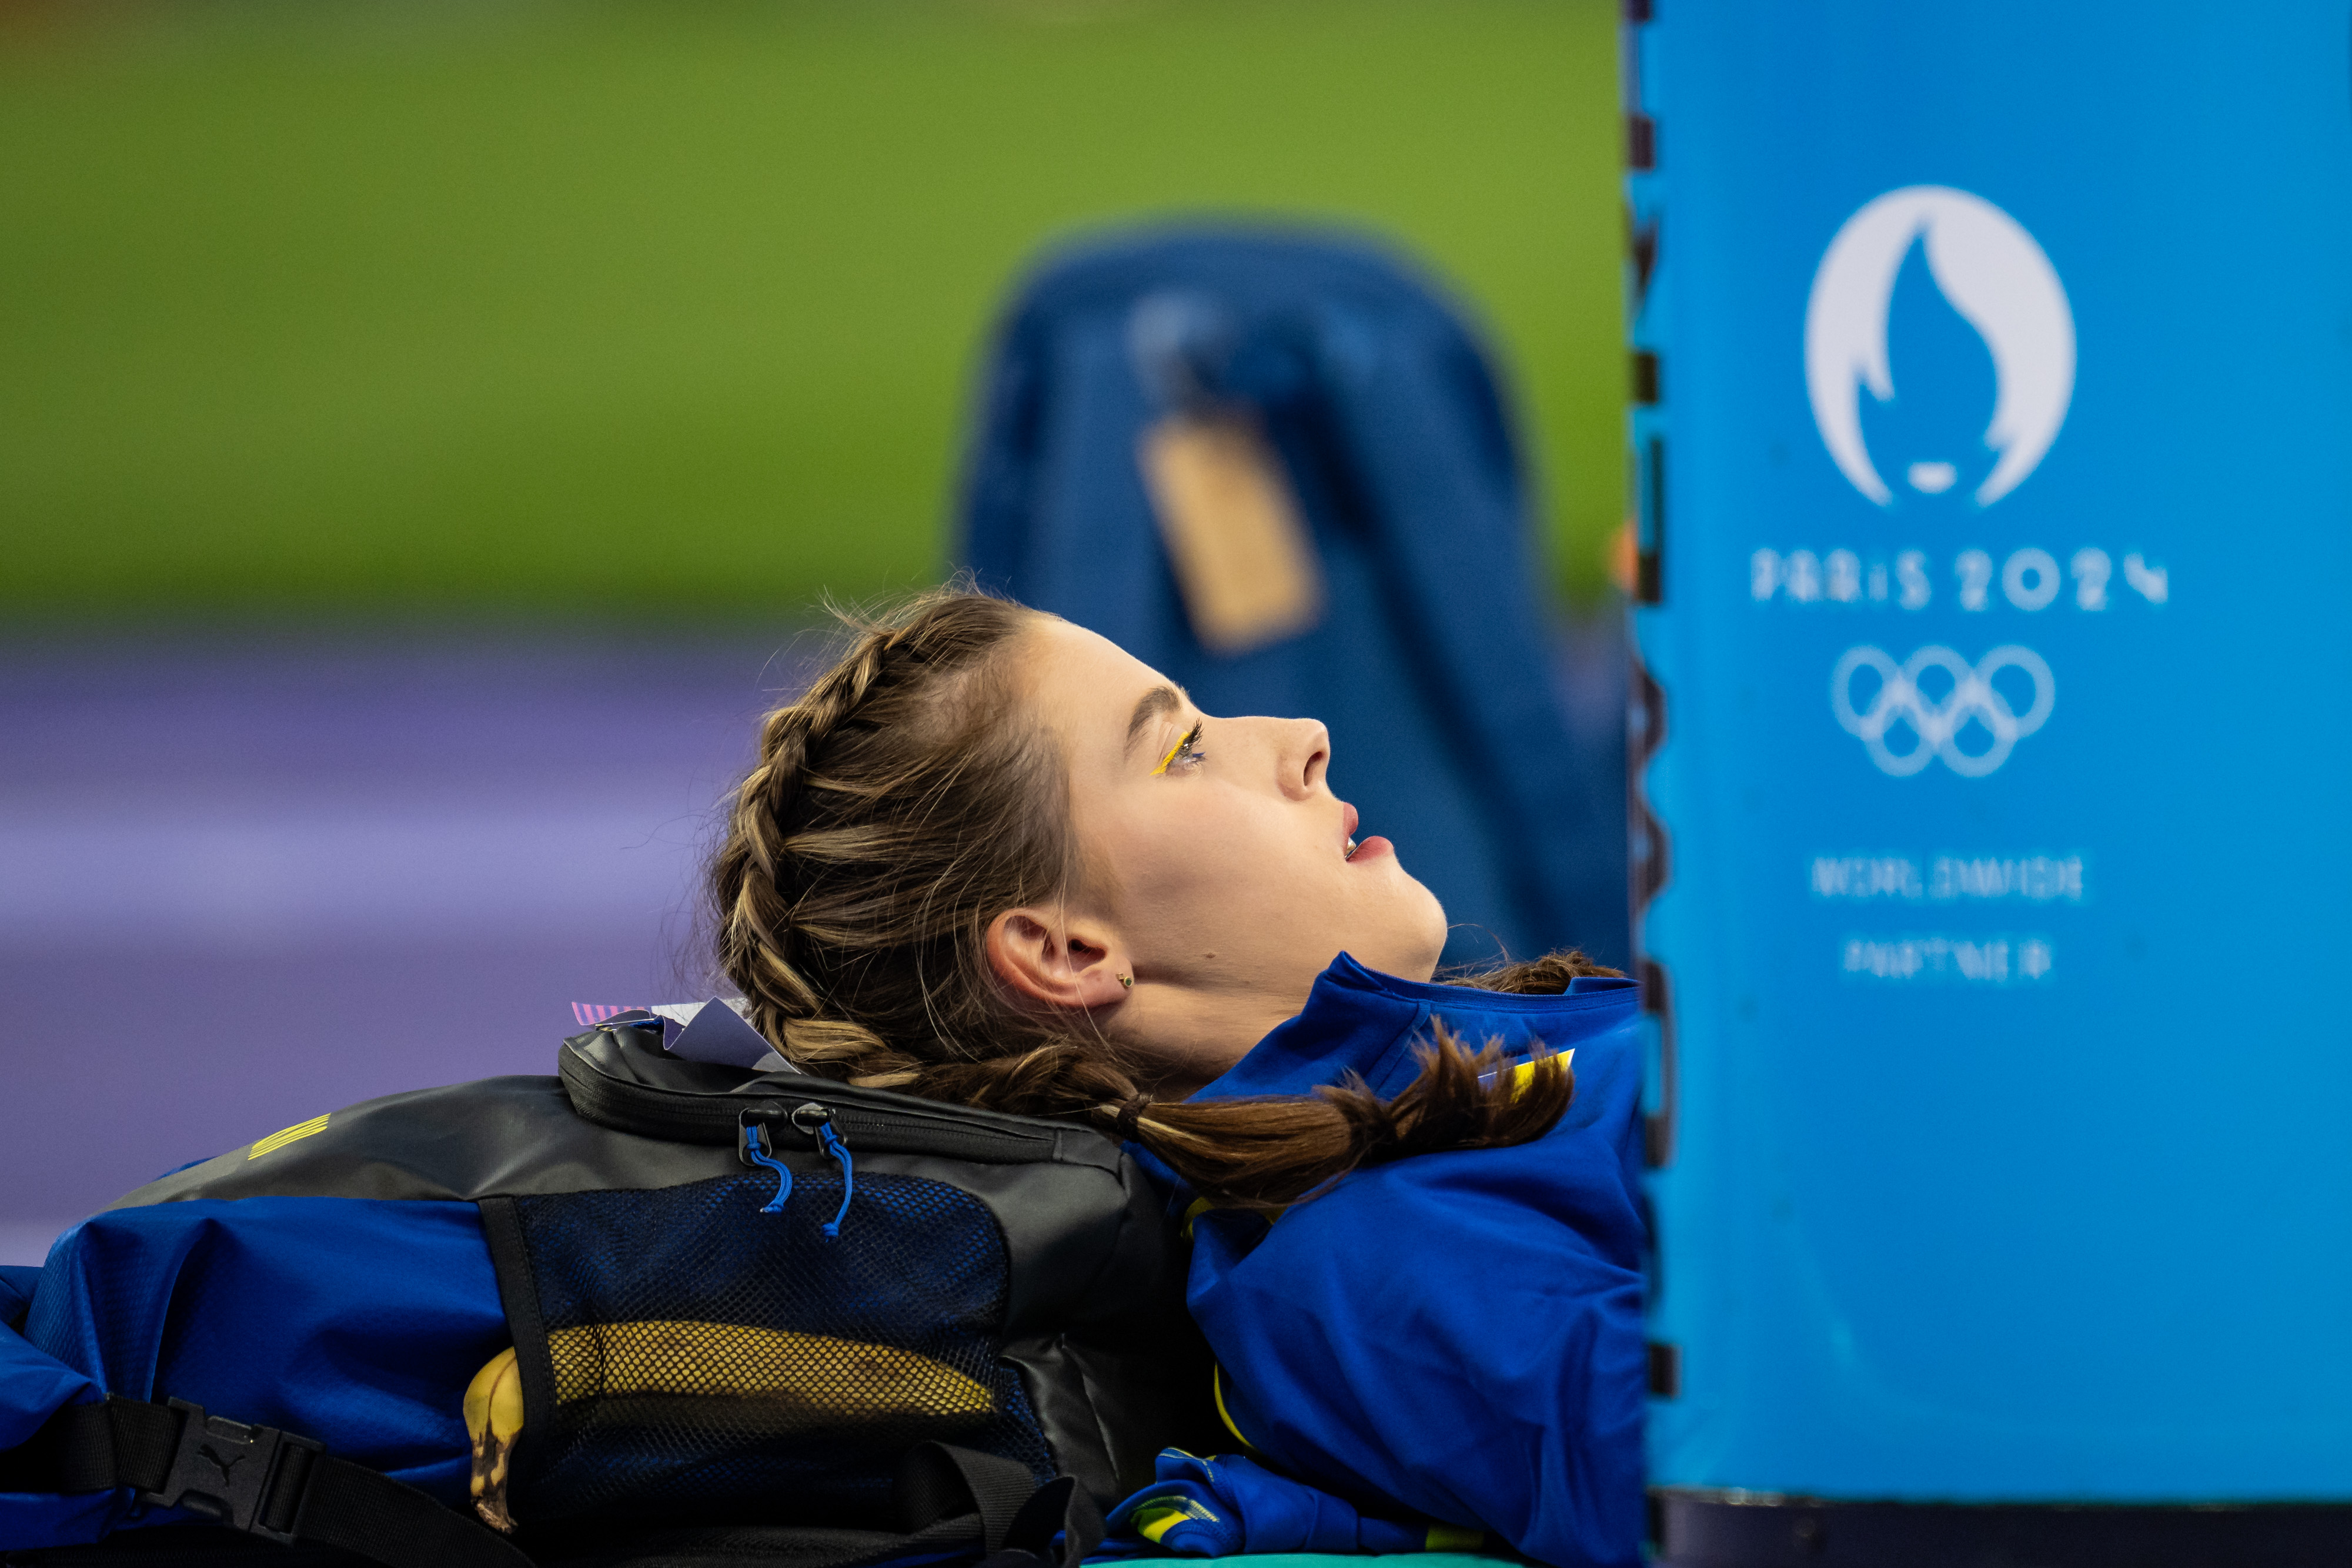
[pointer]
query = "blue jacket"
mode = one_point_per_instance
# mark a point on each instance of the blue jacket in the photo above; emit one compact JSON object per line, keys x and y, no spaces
{"x":1453,"y":1337}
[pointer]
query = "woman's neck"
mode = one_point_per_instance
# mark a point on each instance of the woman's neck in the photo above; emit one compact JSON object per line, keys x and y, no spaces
{"x":1192,"y":1034}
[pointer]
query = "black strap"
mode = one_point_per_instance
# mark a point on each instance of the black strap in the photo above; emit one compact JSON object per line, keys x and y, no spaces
{"x":286,"y":1489}
{"x":1060,"y":1507}
{"x":938,"y":1480}
{"x":259,"y":1479}
{"x":1019,"y":1519}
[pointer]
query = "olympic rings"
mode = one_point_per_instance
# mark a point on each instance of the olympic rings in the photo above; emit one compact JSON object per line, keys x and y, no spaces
{"x":1938,"y":727}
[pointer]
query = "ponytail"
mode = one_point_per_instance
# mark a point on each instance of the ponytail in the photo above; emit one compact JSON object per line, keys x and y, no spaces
{"x":1267,"y":1153}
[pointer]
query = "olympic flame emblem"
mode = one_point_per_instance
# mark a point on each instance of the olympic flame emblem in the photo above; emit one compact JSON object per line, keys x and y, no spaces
{"x":1948,"y":727}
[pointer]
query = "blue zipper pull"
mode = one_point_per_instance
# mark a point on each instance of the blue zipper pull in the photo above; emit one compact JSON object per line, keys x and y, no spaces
{"x":832,"y":1144}
{"x":753,"y":1147}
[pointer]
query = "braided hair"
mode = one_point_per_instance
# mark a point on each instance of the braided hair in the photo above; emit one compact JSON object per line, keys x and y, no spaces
{"x":904,"y":801}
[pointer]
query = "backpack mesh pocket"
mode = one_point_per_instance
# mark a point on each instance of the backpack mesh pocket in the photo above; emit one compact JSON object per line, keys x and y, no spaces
{"x":713,"y":1360}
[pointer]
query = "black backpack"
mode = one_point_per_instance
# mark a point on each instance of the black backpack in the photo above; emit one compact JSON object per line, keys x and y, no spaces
{"x":756,"y":1315}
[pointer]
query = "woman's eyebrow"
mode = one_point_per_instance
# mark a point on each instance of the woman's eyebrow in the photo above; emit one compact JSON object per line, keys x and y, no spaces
{"x":1157,"y":703}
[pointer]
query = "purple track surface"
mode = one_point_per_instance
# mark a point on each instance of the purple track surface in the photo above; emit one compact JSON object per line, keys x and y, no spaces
{"x":241,"y":884}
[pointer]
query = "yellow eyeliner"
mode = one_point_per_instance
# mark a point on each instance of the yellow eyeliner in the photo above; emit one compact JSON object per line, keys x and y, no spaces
{"x":1182,"y":741}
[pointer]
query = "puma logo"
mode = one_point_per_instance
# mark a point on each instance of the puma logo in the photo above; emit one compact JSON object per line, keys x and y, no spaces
{"x":211,"y":1457}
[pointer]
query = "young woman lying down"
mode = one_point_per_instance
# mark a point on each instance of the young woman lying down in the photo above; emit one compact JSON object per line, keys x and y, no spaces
{"x":990,"y":858}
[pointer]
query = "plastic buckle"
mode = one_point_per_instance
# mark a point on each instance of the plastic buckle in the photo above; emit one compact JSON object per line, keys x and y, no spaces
{"x":224,"y":1470}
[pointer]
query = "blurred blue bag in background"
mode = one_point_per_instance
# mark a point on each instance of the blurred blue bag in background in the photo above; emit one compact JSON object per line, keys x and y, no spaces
{"x":1278,"y":468}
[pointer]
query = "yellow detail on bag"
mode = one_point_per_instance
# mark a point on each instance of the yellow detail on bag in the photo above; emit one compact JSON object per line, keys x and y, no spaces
{"x":1453,"y":1538}
{"x":278,"y":1140}
{"x":787,"y":1383}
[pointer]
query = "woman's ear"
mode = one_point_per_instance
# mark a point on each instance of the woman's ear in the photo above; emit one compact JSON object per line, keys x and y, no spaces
{"x":1046,"y":957}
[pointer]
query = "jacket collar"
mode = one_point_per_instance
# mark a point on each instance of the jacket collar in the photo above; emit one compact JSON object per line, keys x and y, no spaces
{"x":1358,"y":1021}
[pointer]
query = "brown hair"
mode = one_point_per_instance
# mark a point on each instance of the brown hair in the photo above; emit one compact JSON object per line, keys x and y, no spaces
{"x":904,"y":801}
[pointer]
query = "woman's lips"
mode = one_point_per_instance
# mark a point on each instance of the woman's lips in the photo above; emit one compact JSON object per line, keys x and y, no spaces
{"x":1369,"y":849}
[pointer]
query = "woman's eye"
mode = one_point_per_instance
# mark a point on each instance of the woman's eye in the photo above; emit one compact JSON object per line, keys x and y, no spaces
{"x":1186,"y":751}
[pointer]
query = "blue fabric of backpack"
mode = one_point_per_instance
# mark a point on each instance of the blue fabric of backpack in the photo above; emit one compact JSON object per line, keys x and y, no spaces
{"x":1431,"y":663}
{"x":344,"y":1319}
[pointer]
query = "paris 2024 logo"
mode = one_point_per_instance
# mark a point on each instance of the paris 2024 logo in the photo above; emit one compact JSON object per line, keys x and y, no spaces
{"x":1988,"y":270}
{"x":1937,"y":704}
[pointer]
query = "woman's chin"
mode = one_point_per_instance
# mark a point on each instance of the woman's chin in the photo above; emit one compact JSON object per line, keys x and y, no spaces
{"x":1412,"y":937}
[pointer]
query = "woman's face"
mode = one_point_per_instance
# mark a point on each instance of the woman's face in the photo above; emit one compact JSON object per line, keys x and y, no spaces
{"x":1218,"y":872}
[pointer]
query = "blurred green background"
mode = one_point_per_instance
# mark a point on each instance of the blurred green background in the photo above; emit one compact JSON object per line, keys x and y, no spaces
{"x":404,"y":307}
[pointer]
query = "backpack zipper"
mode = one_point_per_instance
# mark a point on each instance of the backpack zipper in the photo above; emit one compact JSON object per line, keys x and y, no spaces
{"x":812,"y":1120}
{"x":897,"y":1124}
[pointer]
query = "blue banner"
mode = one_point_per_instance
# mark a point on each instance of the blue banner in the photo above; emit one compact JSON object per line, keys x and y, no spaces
{"x":1997,"y":544}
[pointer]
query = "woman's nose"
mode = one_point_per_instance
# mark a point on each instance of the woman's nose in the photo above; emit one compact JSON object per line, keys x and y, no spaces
{"x":1305,"y":755}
